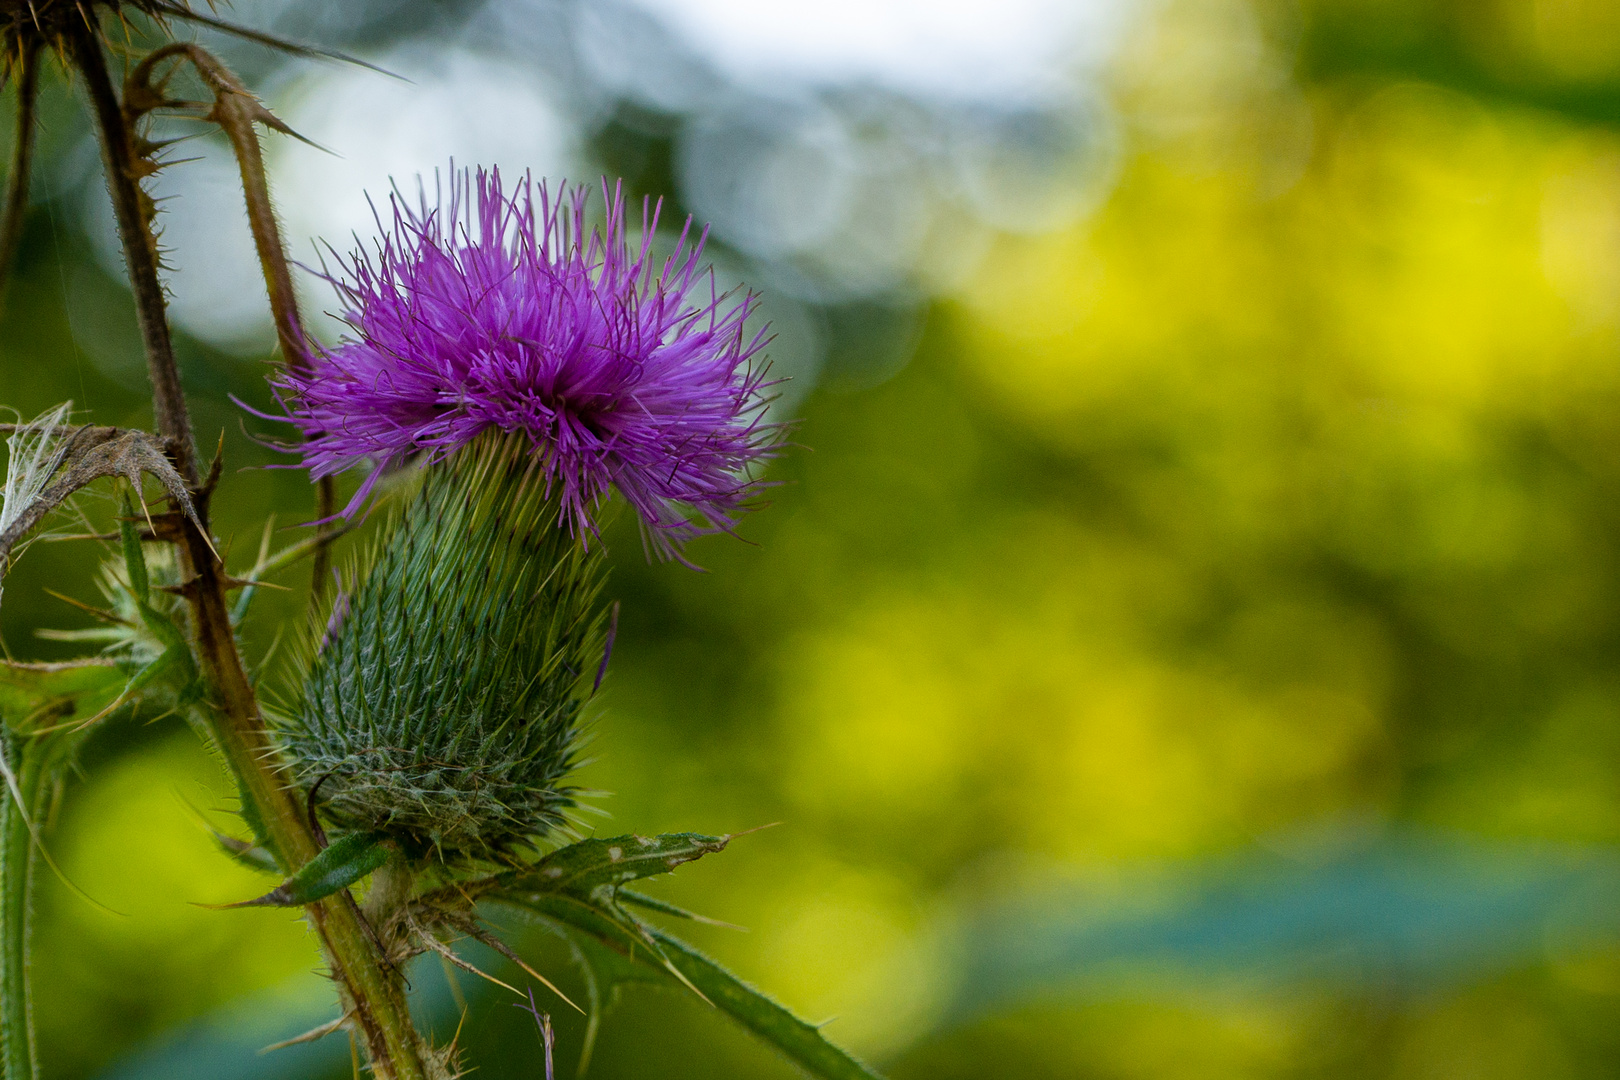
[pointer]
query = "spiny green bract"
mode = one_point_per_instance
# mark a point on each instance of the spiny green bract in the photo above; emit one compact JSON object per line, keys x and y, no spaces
{"x":443,"y":705}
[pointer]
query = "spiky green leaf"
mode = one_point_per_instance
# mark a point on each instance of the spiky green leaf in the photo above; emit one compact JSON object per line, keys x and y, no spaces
{"x":581,"y":867}
{"x":340,"y":864}
{"x":576,"y":890}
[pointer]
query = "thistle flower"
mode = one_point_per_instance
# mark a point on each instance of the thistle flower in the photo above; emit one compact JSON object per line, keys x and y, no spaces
{"x":510,"y":313}
{"x":531,"y":363}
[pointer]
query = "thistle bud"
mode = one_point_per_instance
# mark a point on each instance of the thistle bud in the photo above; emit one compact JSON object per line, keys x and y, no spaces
{"x":444,"y":705}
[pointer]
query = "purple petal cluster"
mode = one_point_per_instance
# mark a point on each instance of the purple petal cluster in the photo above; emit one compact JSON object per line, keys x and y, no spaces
{"x":514,"y":313}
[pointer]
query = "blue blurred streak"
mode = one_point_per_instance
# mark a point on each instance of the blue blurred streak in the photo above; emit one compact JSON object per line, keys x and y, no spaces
{"x":229,"y":1043}
{"x":1410,"y":912}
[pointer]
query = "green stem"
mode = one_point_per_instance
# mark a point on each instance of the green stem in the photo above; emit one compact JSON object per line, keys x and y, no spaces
{"x":17,"y":1052}
{"x":370,"y":991}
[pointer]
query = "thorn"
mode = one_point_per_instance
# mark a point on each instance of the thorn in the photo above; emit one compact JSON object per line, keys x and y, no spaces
{"x":449,"y":973}
{"x":443,"y":950}
{"x":501,"y":947}
{"x":104,"y":537}
{"x":264,"y":540}
{"x":100,"y":613}
{"x":214,"y":468}
{"x":260,"y":37}
{"x":311,"y":1035}
{"x":652,"y":947}
{"x":253,"y":583}
{"x":139,"y":494}
{"x":275,"y":123}
{"x":652,"y":903}
{"x":269,"y":899}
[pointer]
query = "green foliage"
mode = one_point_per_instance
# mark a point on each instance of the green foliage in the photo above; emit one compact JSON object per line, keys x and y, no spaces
{"x":152,"y":641}
{"x":35,"y":695}
{"x":42,"y":710}
{"x":444,"y":706}
{"x":141,"y":624}
{"x":577,"y":891}
{"x":46,"y":710}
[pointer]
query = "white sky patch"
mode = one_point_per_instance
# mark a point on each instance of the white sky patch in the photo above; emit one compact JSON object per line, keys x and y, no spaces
{"x":1003,"y":51}
{"x":984,"y":109}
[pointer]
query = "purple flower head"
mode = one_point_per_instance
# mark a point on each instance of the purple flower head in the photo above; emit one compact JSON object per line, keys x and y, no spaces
{"x":511,"y":313}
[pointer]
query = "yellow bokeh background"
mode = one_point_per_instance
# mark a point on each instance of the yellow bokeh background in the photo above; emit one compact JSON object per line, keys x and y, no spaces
{"x":1279,"y":490}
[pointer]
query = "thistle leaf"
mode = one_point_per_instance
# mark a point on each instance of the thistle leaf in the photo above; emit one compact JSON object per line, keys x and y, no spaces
{"x":582,"y":867}
{"x":664,"y":907}
{"x":576,"y":891}
{"x":342,"y":863}
{"x":39,"y":728}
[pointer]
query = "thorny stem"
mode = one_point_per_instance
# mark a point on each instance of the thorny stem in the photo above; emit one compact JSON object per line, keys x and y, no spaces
{"x":373,"y":993}
{"x":22,"y":161}
{"x":130,"y":209}
{"x":238,"y":113}
{"x":17,"y":1052}
{"x":233,"y":111}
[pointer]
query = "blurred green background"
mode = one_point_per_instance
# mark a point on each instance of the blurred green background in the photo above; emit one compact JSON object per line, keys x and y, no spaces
{"x":1183,"y":641}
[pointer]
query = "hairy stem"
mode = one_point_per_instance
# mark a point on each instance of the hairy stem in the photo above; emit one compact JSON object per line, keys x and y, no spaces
{"x":132,"y":211}
{"x":372,"y":992}
{"x":22,"y":162}
{"x":17,"y":1053}
{"x":238,"y":114}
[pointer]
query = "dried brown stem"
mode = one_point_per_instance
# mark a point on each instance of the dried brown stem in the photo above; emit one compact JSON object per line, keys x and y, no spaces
{"x":92,"y":453}
{"x":22,"y":162}
{"x":132,"y":210}
{"x":236,"y":111}
{"x":374,"y":995}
